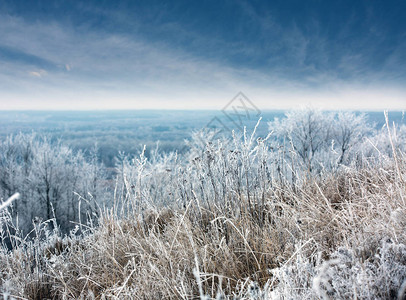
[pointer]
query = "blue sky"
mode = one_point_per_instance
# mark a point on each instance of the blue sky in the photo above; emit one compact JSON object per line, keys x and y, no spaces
{"x":199,"y":54}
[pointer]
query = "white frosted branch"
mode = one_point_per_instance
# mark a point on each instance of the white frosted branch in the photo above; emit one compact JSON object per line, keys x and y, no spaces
{"x":9,"y":201}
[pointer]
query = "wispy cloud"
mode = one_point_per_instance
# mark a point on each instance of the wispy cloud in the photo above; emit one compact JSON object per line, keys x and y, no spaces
{"x":177,"y":62}
{"x":38,"y":74}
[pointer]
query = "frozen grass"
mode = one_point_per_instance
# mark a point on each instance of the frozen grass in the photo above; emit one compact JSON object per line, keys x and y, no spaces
{"x":234,"y":220}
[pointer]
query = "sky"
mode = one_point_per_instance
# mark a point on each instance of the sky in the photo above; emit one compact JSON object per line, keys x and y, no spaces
{"x":73,"y":55}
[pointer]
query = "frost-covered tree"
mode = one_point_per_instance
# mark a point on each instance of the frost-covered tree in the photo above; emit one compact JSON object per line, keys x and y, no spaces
{"x":348,"y":131}
{"x":320,"y":138}
{"x":52,"y":180}
{"x":306,"y":132}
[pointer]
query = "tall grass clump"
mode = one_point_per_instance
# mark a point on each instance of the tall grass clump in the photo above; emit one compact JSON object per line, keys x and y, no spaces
{"x":237,"y":217}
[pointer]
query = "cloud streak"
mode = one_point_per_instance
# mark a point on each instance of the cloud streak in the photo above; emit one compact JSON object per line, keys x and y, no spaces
{"x":38,"y":74}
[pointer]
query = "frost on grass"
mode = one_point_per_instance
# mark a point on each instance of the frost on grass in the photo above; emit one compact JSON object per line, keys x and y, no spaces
{"x":235,"y":218}
{"x":347,"y":274}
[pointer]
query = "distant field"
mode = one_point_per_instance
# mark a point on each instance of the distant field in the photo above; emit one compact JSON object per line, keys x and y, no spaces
{"x":129,"y":131}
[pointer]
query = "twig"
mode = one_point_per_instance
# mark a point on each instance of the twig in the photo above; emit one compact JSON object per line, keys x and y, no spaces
{"x":9,"y":201}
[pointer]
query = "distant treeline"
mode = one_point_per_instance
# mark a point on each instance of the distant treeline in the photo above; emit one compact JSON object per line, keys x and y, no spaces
{"x":129,"y":131}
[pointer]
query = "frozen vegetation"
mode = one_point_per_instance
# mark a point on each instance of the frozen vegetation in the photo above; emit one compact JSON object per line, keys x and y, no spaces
{"x":314,"y":210}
